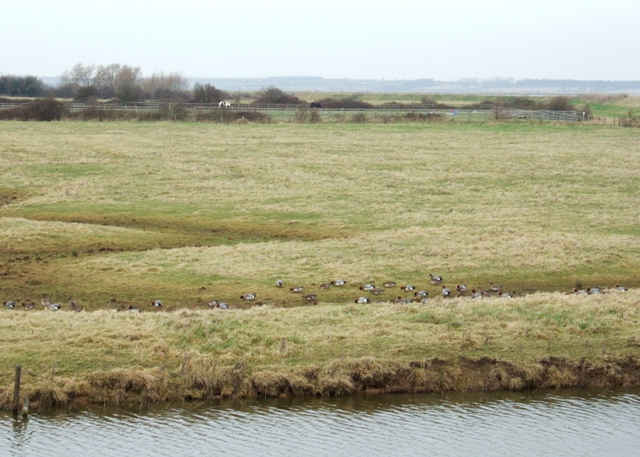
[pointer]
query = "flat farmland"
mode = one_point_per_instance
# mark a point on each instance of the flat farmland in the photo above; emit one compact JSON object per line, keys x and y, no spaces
{"x":118,"y":214}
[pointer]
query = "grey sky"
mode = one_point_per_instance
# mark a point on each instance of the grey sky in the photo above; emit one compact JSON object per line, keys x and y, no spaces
{"x":393,"y":39}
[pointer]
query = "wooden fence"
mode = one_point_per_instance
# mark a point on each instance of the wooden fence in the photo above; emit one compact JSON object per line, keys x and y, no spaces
{"x":488,"y":111}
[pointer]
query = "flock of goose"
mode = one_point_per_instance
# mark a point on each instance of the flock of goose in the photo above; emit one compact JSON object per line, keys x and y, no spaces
{"x":421,"y":296}
{"x":418,"y":296}
{"x":47,"y":304}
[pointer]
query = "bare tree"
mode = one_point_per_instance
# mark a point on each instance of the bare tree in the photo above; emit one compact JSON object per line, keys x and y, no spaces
{"x":106,"y":79}
{"x":159,"y":85}
{"x":126,"y":83}
{"x":79,"y":75}
{"x":176,"y":82}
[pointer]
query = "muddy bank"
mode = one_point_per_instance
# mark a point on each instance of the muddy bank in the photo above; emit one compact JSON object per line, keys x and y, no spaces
{"x":200,"y":379}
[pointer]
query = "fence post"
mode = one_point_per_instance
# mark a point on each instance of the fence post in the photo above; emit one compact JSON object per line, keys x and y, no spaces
{"x":16,"y":389}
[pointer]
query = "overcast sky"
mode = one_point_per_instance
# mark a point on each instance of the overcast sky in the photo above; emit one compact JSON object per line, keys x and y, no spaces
{"x":392,"y":39}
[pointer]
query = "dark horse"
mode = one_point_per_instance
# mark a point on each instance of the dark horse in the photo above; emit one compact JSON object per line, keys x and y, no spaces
{"x":315,"y":105}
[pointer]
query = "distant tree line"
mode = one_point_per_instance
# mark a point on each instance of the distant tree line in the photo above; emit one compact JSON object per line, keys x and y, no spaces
{"x":120,"y":82}
{"x":125,"y":83}
{"x":22,"y":86}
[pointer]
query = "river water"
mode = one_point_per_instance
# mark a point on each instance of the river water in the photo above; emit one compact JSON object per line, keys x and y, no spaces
{"x":568,"y":423}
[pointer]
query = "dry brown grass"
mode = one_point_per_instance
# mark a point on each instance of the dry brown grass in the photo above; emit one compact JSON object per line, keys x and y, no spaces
{"x":630,"y":101}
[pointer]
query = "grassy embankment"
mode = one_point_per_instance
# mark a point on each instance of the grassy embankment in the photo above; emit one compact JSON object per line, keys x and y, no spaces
{"x":186,"y":213}
{"x":543,"y":340}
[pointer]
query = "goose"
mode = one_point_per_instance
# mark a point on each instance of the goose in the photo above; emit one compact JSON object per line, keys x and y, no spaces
{"x":421,"y":293}
{"x":445,"y":291}
{"x":338,"y":282}
{"x":74,"y":306}
{"x":407,"y":287}
{"x":297,"y":289}
{"x":248,"y":297}
{"x":156,"y":303}
{"x":279,"y":283}
{"x":362,"y":300}
{"x":377,"y":291}
{"x":310,"y":297}
{"x":10,"y":304}
{"x":388,"y":284}
{"x":494,"y":287}
{"x":461,"y":287}
{"x":325,"y":286}
{"x":435,"y":279}
{"x":28,"y":305}
{"x":620,"y":288}
{"x":367,"y":287}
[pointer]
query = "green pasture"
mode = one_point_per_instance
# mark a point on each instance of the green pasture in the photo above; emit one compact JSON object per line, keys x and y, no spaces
{"x":119,"y":213}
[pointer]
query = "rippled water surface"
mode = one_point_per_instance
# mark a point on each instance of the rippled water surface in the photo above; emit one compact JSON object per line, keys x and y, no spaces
{"x":579,"y":423}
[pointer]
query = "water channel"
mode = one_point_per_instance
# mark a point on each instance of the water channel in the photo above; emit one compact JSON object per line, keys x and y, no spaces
{"x":568,"y":423}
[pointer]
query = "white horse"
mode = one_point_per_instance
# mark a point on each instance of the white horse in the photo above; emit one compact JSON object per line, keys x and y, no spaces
{"x":224,"y":104}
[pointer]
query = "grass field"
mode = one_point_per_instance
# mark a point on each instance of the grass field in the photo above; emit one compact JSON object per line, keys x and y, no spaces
{"x":119,"y":214}
{"x":189,"y":212}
